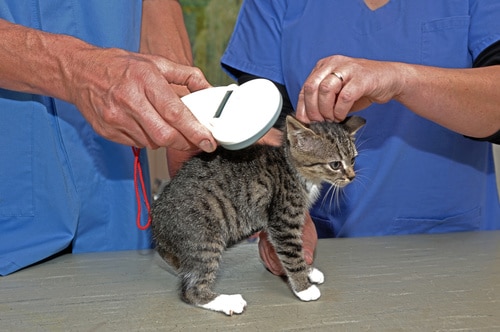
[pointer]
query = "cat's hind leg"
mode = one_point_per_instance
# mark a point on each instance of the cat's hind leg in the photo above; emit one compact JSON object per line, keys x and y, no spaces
{"x":228,"y":304}
{"x":198,"y":275}
{"x":198,"y":291}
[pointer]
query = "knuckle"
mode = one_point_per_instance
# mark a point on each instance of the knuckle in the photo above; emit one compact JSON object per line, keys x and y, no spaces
{"x":196,"y":72}
{"x":173,"y":111}
{"x":325,"y":87}
{"x":111,"y":116}
{"x":324,"y":62}
{"x":309,"y":87}
{"x":165,"y":136}
{"x":346,"y":96}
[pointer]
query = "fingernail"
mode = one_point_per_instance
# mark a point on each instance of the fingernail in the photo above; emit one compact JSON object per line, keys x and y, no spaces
{"x":207,"y":146}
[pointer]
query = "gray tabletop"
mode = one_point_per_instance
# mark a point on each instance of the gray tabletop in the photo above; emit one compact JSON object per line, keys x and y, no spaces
{"x":425,"y":282}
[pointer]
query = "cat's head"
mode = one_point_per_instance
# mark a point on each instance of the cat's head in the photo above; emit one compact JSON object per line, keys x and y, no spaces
{"x":323,"y":151}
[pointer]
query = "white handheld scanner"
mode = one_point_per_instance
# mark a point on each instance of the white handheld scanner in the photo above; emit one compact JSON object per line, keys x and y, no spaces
{"x":237,"y":116}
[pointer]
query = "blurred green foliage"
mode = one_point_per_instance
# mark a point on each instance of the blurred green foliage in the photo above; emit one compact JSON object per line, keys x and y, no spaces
{"x":209,"y":24}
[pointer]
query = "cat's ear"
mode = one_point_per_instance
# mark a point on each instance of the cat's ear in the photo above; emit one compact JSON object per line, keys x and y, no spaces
{"x":353,"y":124}
{"x":299,"y":134}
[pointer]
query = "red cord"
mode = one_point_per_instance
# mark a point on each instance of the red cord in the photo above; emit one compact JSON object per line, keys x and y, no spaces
{"x":138,"y":171}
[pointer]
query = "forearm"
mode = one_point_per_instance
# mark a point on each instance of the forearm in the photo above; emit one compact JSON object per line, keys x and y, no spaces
{"x":464,"y":100}
{"x":163,"y":31}
{"x":36,"y":62}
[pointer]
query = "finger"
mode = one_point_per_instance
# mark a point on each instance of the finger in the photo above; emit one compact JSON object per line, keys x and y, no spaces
{"x":328,"y":90}
{"x":310,"y":95}
{"x":180,"y":90}
{"x":191,"y":77}
{"x":119,"y":128}
{"x":320,"y":90}
{"x":141,"y":140}
{"x":302,"y":114}
{"x":185,"y":123}
{"x":176,"y":125}
{"x":146,"y":128}
{"x":197,"y":81}
{"x":345,"y":101}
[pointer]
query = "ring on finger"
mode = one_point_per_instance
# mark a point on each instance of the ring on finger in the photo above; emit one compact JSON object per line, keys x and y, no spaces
{"x":339,"y":76}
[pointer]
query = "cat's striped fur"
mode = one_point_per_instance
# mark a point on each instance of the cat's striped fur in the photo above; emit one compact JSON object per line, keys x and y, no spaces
{"x":218,"y":199}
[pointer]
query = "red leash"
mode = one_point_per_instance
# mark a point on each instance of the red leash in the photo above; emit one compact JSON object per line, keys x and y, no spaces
{"x":139,"y":174}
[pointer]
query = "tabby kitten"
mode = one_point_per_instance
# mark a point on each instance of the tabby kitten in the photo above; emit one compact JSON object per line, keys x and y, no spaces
{"x":217,"y":199}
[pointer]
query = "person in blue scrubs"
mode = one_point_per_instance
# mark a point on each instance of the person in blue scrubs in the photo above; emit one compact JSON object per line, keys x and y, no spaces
{"x":422,"y":73}
{"x":75,"y":96}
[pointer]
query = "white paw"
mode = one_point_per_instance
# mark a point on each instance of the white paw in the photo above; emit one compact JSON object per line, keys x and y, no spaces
{"x":316,"y":276}
{"x":228,"y":304}
{"x":310,"y":294}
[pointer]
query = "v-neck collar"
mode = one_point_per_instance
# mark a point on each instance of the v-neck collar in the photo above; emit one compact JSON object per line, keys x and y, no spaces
{"x":385,"y":4}
{"x":368,"y":21}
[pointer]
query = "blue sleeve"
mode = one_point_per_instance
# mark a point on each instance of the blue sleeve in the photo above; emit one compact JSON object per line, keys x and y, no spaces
{"x":484,"y":26}
{"x":257,"y":32}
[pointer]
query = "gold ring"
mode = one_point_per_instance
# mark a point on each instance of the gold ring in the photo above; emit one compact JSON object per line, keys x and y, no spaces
{"x":339,"y":76}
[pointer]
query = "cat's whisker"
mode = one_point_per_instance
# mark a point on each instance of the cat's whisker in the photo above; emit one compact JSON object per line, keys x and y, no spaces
{"x":336,"y":198}
{"x":360,"y":141}
{"x":339,"y":198}
{"x":333,"y":192}
{"x":360,"y":177}
{"x":330,"y":192}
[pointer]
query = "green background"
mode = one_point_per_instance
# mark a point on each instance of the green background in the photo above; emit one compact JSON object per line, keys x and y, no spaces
{"x":209,"y":24}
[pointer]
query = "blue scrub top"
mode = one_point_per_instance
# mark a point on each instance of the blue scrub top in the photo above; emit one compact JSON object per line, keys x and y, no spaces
{"x":413,"y":176}
{"x":61,"y":183}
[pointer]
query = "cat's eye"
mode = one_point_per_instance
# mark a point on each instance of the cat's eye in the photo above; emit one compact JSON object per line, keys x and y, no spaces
{"x":336,"y":165}
{"x":353,"y":160}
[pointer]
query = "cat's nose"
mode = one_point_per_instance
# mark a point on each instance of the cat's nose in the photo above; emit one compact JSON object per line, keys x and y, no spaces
{"x":350,"y":174}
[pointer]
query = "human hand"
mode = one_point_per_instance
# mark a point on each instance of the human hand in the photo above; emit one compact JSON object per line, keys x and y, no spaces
{"x":360,"y":82}
{"x":129,"y":98}
{"x":269,"y":256}
{"x":273,"y":137}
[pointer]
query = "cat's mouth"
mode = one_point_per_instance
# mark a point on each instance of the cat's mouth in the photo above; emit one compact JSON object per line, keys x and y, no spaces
{"x":341,"y":183}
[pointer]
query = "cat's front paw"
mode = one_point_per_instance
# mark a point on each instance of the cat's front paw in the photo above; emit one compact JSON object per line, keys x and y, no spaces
{"x":316,"y":276}
{"x":310,"y":294}
{"x":228,"y":304}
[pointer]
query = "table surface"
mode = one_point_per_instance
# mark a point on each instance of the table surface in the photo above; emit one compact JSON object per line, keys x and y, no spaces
{"x":422,"y":282}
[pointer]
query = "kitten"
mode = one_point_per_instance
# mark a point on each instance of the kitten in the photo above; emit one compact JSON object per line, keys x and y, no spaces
{"x":220,"y":198}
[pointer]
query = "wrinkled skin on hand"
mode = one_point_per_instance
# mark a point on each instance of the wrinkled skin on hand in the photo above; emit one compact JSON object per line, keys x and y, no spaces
{"x":128,"y":98}
{"x":324,"y":96}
